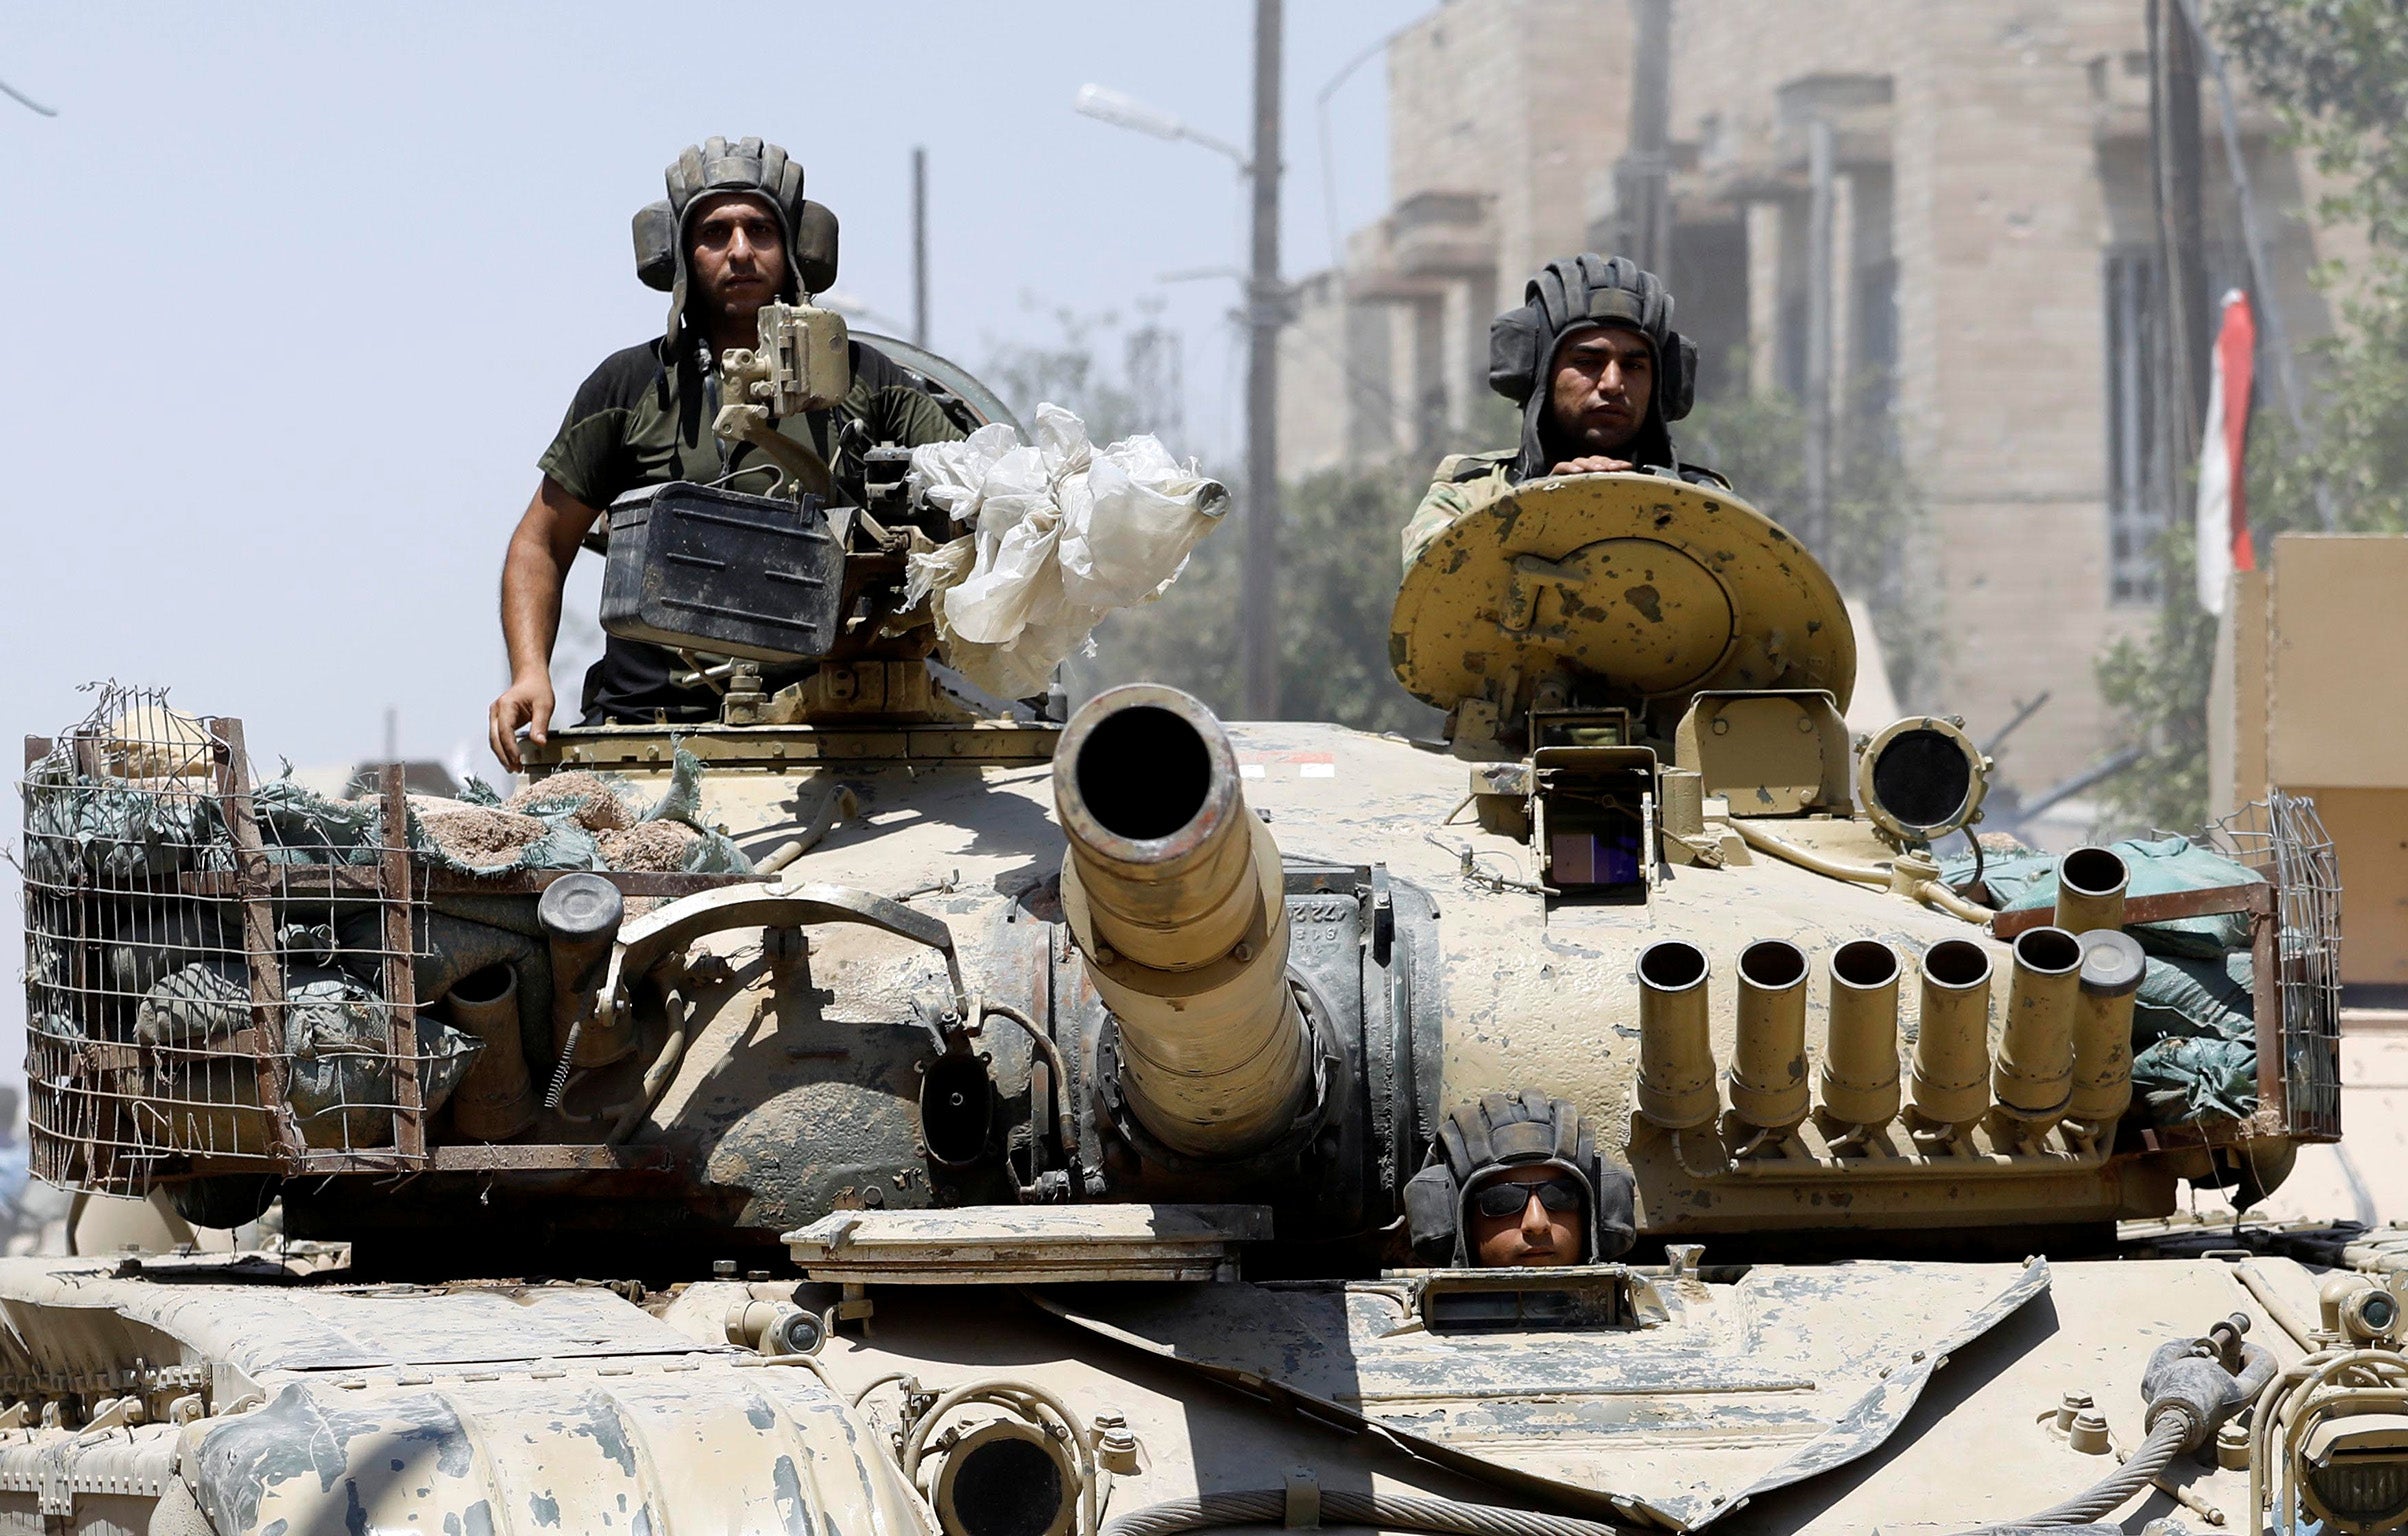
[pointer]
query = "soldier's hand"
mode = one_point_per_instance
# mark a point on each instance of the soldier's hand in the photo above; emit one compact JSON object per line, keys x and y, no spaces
{"x":527,"y":702}
{"x":1594,"y":464}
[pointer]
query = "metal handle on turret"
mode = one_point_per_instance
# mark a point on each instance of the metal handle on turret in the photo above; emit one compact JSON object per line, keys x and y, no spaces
{"x":580,"y":914}
{"x":1172,"y":891}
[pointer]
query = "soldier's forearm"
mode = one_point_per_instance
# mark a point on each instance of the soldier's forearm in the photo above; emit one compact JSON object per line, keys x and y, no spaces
{"x":531,"y":585}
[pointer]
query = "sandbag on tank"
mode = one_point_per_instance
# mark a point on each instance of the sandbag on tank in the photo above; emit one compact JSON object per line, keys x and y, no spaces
{"x":340,"y":1081}
{"x":301,"y":826}
{"x":713,"y":852}
{"x":342,"y":1077}
{"x":197,"y":1003}
{"x":2194,"y":1039}
{"x":572,"y":821}
{"x":116,"y":833}
{"x":2199,"y":999}
{"x":2189,"y":1078}
{"x":448,"y":946}
{"x":151,"y":940}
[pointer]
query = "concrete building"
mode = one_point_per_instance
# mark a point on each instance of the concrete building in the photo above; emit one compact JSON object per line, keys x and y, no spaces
{"x":1993,"y":285}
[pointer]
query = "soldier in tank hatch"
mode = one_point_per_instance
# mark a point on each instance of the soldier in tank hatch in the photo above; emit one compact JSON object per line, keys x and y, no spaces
{"x":734,"y":233}
{"x":1593,"y":361}
{"x":1514,"y":1180}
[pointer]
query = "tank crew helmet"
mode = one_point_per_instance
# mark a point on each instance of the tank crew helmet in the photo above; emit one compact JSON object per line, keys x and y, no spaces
{"x":1502,"y":1133}
{"x":1565,"y":298}
{"x":755,"y":169}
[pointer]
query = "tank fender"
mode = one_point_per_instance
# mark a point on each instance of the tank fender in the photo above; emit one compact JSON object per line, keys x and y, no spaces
{"x":707,"y":1445}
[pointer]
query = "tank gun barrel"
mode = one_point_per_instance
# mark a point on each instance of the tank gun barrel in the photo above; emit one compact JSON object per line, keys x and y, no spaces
{"x":1172,"y":890}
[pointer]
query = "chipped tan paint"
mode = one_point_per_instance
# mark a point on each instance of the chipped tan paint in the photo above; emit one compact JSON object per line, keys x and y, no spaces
{"x":471,"y":1411}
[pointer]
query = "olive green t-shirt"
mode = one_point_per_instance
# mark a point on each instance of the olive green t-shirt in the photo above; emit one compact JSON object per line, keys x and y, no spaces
{"x":644,"y":419}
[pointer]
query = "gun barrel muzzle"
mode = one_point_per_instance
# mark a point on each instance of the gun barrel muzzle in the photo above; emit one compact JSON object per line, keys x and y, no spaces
{"x":1172,"y":890}
{"x":2112,"y":968}
{"x":580,"y":914}
{"x":496,"y":1098}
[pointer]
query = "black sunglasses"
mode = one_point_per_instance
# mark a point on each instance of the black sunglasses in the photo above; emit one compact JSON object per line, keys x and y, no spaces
{"x":1507,"y":1198}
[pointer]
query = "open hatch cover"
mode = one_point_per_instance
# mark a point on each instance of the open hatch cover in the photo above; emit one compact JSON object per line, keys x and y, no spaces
{"x":1696,"y":1398}
{"x":1657,"y":587}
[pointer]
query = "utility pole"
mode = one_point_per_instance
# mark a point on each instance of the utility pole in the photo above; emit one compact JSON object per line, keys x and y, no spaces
{"x":1265,"y":313}
{"x":919,"y":246}
{"x":1266,"y":309}
{"x":1819,"y":199}
{"x":1645,"y":192}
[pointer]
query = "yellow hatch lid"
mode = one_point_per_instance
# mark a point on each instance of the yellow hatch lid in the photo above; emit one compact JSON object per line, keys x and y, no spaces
{"x":1652,"y":585}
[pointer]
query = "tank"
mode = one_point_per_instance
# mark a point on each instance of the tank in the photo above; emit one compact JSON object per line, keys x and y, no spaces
{"x":1020,"y":1143}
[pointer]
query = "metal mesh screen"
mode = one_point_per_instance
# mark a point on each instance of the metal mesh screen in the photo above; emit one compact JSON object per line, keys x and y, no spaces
{"x":2283,"y":837}
{"x":211,"y":986}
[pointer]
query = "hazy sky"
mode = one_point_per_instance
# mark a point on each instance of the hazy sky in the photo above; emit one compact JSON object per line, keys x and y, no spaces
{"x":300,"y":292}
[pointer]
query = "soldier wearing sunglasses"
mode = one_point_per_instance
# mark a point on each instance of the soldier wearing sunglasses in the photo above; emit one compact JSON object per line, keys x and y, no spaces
{"x":1515,"y":1180}
{"x":1528,"y":1216}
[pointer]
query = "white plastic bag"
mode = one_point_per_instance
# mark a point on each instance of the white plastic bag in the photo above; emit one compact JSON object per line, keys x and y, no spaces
{"x":1059,"y":533}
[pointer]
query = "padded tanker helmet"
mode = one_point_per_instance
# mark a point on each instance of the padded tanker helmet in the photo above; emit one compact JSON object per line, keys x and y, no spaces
{"x":752,"y":168}
{"x":1505,"y":1131}
{"x":1571,"y":295}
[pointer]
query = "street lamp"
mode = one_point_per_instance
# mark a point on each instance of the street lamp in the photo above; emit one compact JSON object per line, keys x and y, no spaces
{"x":1124,"y":111}
{"x":1266,"y":311}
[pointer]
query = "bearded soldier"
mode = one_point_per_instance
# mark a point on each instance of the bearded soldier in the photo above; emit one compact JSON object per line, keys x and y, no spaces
{"x":734,"y":233}
{"x":1593,"y":361}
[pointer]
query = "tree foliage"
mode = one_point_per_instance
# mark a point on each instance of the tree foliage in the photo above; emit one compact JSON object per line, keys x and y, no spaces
{"x":2337,"y":72}
{"x":1757,"y":442}
{"x":1338,"y":567}
{"x":1069,"y":371}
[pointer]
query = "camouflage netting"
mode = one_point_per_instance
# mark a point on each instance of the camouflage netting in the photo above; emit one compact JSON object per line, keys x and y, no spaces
{"x":2194,"y":1026}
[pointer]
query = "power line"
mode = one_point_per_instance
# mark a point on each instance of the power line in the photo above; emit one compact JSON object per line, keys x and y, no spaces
{"x":27,"y":101}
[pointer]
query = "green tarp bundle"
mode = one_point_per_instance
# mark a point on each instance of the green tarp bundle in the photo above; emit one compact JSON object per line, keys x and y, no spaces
{"x":2194,"y":1030}
{"x":2160,"y":867}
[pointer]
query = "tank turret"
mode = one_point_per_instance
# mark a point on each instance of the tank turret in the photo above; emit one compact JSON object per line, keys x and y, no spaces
{"x":993,"y":960}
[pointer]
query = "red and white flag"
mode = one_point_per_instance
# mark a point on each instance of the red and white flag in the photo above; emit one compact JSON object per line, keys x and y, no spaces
{"x":2224,"y":546}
